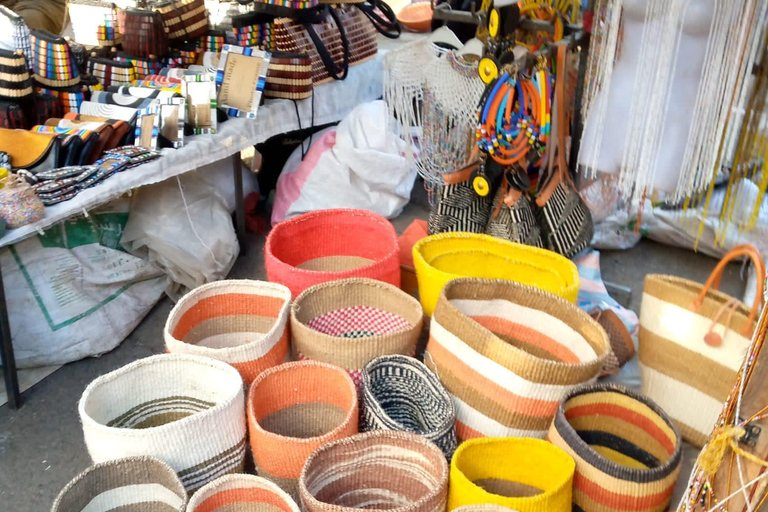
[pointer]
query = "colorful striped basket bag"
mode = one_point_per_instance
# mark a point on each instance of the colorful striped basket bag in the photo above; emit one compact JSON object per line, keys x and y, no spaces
{"x":508,"y":353}
{"x":349,"y":322}
{"x":112,"y":72}
{"x":327,"y":245}
{"x":627,"y":451}
{"x":133,"y":483}
{"x":526,"y":475}
{"x":188,"y":411}
{"x":241,"y":493}
{"x":243,"y":323}
{"x":213,"y":41}
{"x":396,"y":471}
{"x":294,"y":409}
{"x":254,"y":29}
{"x":692,"y":342}
{"x":400,"y":393}
{"x":54,"y":68}
{"x":442,"y":257}
{"x":144,"y":66}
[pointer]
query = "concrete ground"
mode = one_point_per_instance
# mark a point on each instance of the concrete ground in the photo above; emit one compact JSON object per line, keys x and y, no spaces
{"x":41,"y":445}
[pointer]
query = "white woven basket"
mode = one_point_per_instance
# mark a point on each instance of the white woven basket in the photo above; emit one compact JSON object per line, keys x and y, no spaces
{"x":188,"y":411}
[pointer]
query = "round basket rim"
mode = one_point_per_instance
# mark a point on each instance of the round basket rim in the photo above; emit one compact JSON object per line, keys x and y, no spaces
{"x":249,"y":481}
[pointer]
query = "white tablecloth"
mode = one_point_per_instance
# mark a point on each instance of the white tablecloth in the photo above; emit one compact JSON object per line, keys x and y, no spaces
{"x":332,"y":102}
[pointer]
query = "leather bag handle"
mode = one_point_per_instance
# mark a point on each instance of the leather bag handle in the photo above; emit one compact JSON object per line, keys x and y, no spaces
{"x":386,"y":25}
{"x":714,"y":280}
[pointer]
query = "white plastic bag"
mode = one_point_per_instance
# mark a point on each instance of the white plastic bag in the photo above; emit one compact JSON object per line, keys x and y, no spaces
{"x":359,"y":165}
{"x":73,"y":292}
{"x":188,"y":235}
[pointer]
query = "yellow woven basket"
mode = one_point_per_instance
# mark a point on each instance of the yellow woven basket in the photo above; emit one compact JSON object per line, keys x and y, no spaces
{"x":524,"y":474}
{"x":440,"y":258}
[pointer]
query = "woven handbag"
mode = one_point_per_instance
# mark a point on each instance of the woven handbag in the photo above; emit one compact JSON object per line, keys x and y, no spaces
{"x":145,"y":34}
{"x":363,"y":45}
{"x":400,"y":393}
{"x":289,"y":76}
{"x":213,"y":41}
{"x":327,"y":245}
{"x":254,"y":29}
{"x":70,"y":99}
{"x":45,"y":107}
{"x":323,"y":38}
{"x":188,"y":411}
{"x":112,"y":72}
{"x":627,"y":451}
{"x":232,"y":493}
{"x":526,"y":475}
{"x":15,"y":82}
{"x":513,"y":217}
{"x":294,"y":409}
{"x":243,"y":323}
{"x":132,"y":483}
{"x":459,"y":207}
{"x":144,"y":66}
{"x":692,"y":342}
{"x":94,"y":23}
{"x":184,"y":20}
{"x":398,"y":471}
{"x":440,"y":258}
{"x":349,"y":322}
{"x":508,"y":353}
{"x":54,"y":65}
{"x":15,"y":31}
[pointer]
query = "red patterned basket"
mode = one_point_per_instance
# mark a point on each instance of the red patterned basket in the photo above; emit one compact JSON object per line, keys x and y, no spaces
{"x":353,"y":321}
{"x":327,"y":245}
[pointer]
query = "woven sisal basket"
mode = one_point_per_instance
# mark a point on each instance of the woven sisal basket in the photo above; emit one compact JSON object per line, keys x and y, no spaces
{"x":140,"y":484}
{"x":327,"y":245}
{"x":527,"y":475}
{"x":188,"y":411}
{"x":243,"y":323}
{"x":440,"y":258}
{"x":352,"y":321}
{"x":627,"y":451}
{"x":508,"y":353}
{"x":293,"y":409}
{"x":400,"y":393}
{"x":388,"y":471}
{"x":241,"y":493}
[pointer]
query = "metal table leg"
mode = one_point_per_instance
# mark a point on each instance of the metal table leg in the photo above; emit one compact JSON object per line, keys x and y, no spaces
{"x":239,"y":202}
{"x":6,"y":351}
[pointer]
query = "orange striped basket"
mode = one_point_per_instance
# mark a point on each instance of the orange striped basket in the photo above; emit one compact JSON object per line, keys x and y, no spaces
{"x":241,"y":322}
{"x":508,"y":353}
{"x":232,"y":493}
{"x":293,"y":409}
{"x":326,"y":245}
{"x":353,"y":321}
{"x":627,"y":450}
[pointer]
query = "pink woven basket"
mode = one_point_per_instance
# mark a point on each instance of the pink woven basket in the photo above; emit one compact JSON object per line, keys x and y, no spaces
{"x":327,"y":245}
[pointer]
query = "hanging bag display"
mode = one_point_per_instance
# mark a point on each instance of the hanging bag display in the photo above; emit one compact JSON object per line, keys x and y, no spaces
{"x":322,"y":36}
{"x":692,"y":342}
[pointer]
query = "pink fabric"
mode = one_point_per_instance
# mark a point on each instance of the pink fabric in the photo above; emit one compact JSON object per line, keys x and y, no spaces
{"x":291,"y":184}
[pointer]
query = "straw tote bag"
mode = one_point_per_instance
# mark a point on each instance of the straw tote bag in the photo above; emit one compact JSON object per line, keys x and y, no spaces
{"x":132,"y":483}
{"x":692,"y":342}
{"x":508,"y":353}
{"x":188,"y":411}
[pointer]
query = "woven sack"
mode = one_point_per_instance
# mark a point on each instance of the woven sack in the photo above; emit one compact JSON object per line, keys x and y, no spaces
{"x":184,"y":19}
{"x":19,"y":33}
{"x":508,"y":353}
{"x":289,"y":76}
{"x":527,"y":475}
{"x":188,"y":411}
{"x":54,"y":65}
{"x":323,"y":37}
{"x":145,"y":34}
{"x":327,"y":245}
{"x":627,"y":451}
{"x":293,"y":409}
{"x":349,"y":322}
{"x":440,"y":258}
{"x":396,"y":471}
{"x":140,"y":484}
{"x":94,"y":23}
{"x":459,"y":207}
{"x":241,"y":493}
{"x":400,"y":393}
{"x":243,"y":323}
{"x":112,"y":72}
{"x":692,"y":343}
